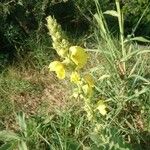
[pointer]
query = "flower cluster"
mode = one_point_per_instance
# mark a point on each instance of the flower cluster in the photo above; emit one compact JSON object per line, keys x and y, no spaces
{"x":73,"y":59}
{"x":60,"y":44}
{"x":73,"y":56}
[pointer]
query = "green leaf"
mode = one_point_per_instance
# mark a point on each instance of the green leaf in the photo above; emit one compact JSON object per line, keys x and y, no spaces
{"x":22,"y":146}
{"x":22,"y":123}
{"x":111,"y":12}
{"x":143,"y":51}
{"x":7,"y":146}
{"x":72,"y":144}
{"x":139,"y":78}
{"x":100,"y":22}
{"x":131,"y":54}
{"x":140,"y":39}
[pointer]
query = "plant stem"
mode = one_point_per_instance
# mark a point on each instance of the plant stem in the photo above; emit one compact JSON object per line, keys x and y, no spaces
{"x":121,"y":28}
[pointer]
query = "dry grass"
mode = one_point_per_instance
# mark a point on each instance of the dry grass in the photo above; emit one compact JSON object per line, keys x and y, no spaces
{"x":42,"y":94}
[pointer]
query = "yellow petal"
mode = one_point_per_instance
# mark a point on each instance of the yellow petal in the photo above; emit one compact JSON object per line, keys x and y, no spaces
{"x":78,"y":56}
{"x":75,"y":77}
{"x":59,"y":69}
{"x":89,"y":79}
{"x":102,"y":108}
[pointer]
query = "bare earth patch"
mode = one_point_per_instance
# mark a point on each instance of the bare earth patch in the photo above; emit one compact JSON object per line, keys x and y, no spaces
{"x":53,"y":94}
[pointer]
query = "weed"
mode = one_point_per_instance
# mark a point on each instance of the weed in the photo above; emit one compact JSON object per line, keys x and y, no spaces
{"x":110,"y":113}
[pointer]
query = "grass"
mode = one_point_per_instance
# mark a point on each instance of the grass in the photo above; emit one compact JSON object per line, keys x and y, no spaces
{"x":37,"y":128}
{"x":125,"y":88}
{"x":36,"y":111}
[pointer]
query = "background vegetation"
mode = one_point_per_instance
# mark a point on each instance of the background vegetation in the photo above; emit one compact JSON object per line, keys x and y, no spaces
{"x":23,"y":21}
{"x":36,"y":111}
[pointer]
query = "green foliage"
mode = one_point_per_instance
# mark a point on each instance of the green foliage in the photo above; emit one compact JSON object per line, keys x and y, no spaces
{"x":109,"y":139}
{"x":59,"y":131}
{"x":12,"y":86}
{"x":133,"y":11}
{"x":136,"y":8}
{"x":22,"y":20}
{"x":11,"y":139}
{"x":20,"y":23}
{"x":126,"y":86}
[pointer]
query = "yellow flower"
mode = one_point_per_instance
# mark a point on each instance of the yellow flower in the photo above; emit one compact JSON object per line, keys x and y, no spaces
{"x":60,"y":44}
{"x":75,"y":77}
{"x":89,"y":79}
{"x":59,"y":69}
{"x":88,"y":91}
{"x":78,"y":56}
{"x":101,"y":107}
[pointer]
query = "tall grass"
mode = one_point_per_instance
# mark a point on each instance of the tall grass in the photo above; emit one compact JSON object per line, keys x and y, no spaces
{"x":126,"y":87}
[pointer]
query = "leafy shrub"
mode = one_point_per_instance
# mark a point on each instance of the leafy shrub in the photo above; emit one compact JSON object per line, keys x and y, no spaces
{"x":20,"y":19}
{"x":132,"y":11}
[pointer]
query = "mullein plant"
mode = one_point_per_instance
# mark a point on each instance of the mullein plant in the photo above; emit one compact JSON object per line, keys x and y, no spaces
{"x":73,"y":60}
